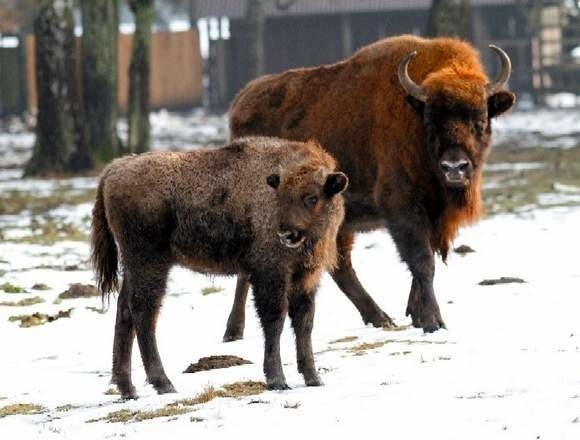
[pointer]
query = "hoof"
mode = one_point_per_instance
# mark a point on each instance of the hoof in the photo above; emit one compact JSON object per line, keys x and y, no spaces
{"x":379,"y":319}
{"x":129,"y":396}
{"x":163,"y":386}
{"x":232,"y":335}
{"x":313,"y":382}
{"x":125,"y":387}
{"x":279,"y":386}
{"x":128,"y":393}
{"x":429,"y":324}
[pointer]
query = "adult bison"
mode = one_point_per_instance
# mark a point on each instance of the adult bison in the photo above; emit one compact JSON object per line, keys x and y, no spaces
{"x":408,"y":120}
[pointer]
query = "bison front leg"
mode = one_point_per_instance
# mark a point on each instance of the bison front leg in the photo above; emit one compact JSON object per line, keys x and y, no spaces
{"x":346,"y":279}
{"x":301,"y":312}
{"x":236,"y":321}
{"x":271,"y":302}
{"x":415,"y":250}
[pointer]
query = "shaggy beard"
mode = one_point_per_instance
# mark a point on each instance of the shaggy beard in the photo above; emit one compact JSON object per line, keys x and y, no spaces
{"x":458,"y":197}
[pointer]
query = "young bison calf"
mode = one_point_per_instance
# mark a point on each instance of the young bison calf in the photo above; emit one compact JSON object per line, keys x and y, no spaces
{"x":265,"y":207}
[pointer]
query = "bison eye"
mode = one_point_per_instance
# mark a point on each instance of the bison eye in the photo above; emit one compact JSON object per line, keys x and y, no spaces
{"x":311,"y":201}
{"x":479,"y":127}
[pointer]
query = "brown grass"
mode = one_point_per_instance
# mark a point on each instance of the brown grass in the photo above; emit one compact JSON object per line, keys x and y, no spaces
{"x":344,"y":339}
{"x":20,"y":409}
{"x":23,"y":302}
{"x":183,"y":406}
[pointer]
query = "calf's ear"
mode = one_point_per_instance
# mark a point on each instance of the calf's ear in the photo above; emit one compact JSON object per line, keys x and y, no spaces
{"x":335,"y":184}
{"x":273,"y":180}
{"x":499,"y":103}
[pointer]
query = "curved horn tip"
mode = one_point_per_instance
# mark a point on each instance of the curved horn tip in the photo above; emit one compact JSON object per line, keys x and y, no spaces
{"x":506,"y":67}
{"x":408,"y":84}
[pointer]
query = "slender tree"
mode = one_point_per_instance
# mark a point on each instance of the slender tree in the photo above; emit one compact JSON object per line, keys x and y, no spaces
{"x":100,"y":20}
{"x":139,"y":71}
{"x":58,"y":147}
{"x":450,"y":18}
{"x":254,"y":35}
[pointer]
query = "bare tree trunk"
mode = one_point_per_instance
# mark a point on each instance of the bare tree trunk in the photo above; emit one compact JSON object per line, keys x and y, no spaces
{"x":254,"y":35}
{"x":139,"y":127}
{"x":450,"y":18}
{"x":99,"y":77}
{"x":58,"y":146}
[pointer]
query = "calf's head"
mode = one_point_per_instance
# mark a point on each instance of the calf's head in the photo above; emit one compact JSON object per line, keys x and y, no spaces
{"x":308,"y":203}
{"x":456,"y":105}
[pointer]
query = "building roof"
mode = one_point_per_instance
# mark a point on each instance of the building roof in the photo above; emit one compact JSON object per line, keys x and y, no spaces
{"x":236,"y":8}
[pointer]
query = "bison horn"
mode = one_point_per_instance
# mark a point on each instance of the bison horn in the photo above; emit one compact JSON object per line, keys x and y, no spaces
{"x":410,"y":86}
{"x":504,"y":74}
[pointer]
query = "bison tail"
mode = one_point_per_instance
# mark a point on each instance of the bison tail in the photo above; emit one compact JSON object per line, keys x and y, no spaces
{"x":104,"y":257}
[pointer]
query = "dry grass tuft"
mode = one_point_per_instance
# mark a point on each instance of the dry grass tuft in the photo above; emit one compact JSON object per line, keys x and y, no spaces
{"x":20,"y":409}
{"x":345,"y":339}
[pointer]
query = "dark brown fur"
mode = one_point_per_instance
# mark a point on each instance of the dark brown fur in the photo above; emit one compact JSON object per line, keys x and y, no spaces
{"x":391,"y":146}
{"x":223,"y":211}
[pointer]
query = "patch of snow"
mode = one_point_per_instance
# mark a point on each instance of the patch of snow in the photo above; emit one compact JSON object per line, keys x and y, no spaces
{"x":563,"y":100}
{"x":539,"y":128}
{"x":519,"y":166}
{"x":506,"y":368}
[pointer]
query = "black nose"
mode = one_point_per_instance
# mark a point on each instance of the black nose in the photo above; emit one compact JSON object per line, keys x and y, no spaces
{"x":454,"y":165}
{"x":291,"y":234}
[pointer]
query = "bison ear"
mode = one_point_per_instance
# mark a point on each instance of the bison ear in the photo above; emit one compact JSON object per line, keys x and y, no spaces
{"x":499,"y":103}
{"x":417,"y":104}
{"x":335,"y":184}
{"x":273,"y":180}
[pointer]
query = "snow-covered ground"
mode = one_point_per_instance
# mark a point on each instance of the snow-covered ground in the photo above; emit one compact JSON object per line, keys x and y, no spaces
{"x":508,"y":367}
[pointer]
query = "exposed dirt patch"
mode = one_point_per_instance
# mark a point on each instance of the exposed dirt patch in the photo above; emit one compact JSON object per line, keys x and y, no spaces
{"x":39,"y":318}
{"x":40,"y":286}
{"x":216,"y":362}
{"x":512,"y":185}
{"x":502,"y":280}
{"x":463,"y":249}
{"x":78,"y":290}
{"x":50,"y":232}
{"x":13,"y":202}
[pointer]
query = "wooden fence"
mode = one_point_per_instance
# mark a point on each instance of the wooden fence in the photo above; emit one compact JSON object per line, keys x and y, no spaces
{"x":176,"y":70}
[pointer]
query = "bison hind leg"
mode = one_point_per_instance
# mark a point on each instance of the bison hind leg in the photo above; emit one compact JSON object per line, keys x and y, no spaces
{"x":123,"y":346}
{"x":148,"y":288}
{"x":236,"y":321}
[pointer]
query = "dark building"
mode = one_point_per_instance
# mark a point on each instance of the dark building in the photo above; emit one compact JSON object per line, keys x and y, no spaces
{"x":313,"y":32}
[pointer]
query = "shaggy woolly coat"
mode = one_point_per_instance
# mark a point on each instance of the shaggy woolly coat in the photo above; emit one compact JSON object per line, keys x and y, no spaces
{"x":358,"y":111}
{"x":211,"y":210}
